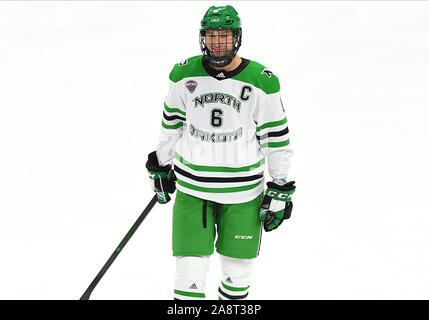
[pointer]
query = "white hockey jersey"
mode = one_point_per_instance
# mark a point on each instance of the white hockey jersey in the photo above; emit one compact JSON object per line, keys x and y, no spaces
{"x":219,"y":127}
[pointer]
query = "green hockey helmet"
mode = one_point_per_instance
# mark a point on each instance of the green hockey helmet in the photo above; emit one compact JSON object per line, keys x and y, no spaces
{"x":217,"y":19}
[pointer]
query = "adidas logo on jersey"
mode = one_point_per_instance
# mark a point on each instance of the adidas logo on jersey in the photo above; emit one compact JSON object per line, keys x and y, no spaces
{"x":220,"y":75}
{"x":228,"y":280}
{"x":193,"y":286}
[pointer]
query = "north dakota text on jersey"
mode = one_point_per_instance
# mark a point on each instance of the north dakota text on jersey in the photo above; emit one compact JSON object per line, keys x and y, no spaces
{"x":215,"y":136}
{"x":215,"y":97}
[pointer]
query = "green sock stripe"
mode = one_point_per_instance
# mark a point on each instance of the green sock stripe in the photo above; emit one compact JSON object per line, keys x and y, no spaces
{"x":173,"y":126}
{"x":275,"y":144}
{"x":171,"y":110}
{"x":272,"y":124}
{"x":217,"y":190}
{"x":218,"y":169}
{"x":234,"y":288}
{"x":190,"y":294}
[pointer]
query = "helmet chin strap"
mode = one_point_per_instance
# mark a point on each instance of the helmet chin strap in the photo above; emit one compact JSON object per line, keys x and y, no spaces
{"x":220,"y":61}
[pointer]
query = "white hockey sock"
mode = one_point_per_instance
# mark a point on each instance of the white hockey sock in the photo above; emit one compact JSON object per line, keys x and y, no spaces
{"x":190,"y":278}
{"x":235,"y":281}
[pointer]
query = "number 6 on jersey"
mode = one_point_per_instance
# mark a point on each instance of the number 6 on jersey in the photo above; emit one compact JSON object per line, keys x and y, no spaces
{"x":216,"y":117}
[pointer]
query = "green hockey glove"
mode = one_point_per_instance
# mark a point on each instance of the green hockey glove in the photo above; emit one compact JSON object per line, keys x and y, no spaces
{"x":276,"y":205}
{"x":161,"y":183}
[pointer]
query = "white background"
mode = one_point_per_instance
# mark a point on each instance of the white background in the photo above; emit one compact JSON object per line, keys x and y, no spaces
{"x":81,"y":97}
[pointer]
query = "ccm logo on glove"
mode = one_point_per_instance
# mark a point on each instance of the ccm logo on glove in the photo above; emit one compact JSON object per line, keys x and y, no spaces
{"x":276,"y":204}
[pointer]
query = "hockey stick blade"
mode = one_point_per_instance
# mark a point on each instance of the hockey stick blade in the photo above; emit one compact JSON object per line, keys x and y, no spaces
{"x":86,"y":295}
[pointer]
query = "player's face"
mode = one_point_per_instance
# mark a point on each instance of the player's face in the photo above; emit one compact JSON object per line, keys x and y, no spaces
{"x":219,"y":42}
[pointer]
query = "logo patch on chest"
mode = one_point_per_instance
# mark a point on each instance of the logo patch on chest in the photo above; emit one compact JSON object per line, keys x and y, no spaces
{"x":191,"y":85}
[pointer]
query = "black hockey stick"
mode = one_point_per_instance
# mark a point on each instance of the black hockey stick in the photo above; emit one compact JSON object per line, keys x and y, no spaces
{"x":124,"y":241}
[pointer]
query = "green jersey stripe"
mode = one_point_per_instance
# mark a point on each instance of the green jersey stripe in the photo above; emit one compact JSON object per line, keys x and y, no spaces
{"x":189,"y":175}
{"x":273,"y":134}
{"x":219,"y":169}
{"x":234,"y":288}
{"x":217,"y":190}
{"x":275,"y":144}
{"x":271,"y":124}
{"x":174,"y":126}
{"x":190,"y":294}
{"x":171,"y":110}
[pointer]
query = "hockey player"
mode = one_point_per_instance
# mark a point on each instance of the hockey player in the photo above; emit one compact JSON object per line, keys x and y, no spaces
{"x":222,"y":118}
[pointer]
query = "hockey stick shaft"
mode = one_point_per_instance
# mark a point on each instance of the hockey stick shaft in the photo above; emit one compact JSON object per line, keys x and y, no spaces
{"x":115,"y":254}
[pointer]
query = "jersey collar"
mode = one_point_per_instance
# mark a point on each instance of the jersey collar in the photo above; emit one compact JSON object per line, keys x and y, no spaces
{"x":222,"y":75}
